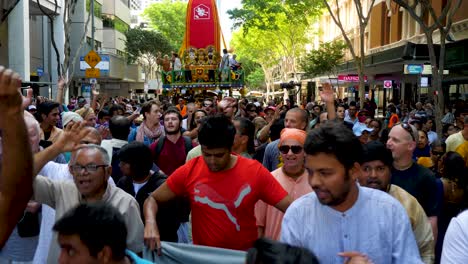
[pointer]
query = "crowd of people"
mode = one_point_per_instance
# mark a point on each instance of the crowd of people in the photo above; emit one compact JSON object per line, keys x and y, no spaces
{"x":124,"y":181}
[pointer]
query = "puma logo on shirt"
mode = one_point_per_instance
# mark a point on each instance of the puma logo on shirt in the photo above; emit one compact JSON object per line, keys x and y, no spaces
{"x":206,"y":195}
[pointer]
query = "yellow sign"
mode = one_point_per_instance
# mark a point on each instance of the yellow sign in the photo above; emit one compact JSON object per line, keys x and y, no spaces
{"x":92,"y":73}
{"x":92,"y":58}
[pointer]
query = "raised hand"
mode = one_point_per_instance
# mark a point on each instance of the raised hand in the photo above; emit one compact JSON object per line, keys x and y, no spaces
{"x":70,"y":139}
{"x":10,"y":96}
{"x":61,"y":83}
{"x":327,"y":94}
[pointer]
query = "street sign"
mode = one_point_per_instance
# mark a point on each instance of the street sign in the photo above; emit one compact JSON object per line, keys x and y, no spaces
{"x":387,"y":84}
{"x":413,"y":68}
{"x":40,"y":71}
{"x":103,"y":65}
{"x":92,"y":58}
{"x":92,"y":73}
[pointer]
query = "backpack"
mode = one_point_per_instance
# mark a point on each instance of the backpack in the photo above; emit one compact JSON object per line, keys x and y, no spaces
{"x":162,"y":139}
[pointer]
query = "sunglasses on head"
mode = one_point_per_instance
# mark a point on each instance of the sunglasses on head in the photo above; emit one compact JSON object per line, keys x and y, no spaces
{"x":207,"y":105}
{"x":408,"y":128}
{"x":285,"y":149}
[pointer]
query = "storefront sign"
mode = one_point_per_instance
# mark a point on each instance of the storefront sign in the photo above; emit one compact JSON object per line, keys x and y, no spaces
{"x":350,"y":78}
{"x":387,"y":84}
{"x":413,"y":68}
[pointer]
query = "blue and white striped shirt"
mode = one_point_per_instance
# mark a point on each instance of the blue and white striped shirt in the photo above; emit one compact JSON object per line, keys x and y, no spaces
{"x":377,"y":225}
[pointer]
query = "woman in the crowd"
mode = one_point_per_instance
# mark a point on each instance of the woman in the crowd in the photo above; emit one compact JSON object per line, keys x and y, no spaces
{"x":422,"y":148}
{"x":150,"y":129}
{"x":376,"y":124}
{"x":259,"y":123}
{"x":340,"y":113}
{"x":88,"y":116}
{"x":195,"y":123}
{"x":455,"y":198}
{"x":437,"y":151}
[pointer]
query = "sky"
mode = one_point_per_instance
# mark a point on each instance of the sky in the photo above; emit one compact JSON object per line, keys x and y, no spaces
{"x":226,"y":23}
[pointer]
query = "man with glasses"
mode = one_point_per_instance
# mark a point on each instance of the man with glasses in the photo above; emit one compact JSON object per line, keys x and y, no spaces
{"x":412,"y":177}
{"x":73,"y":135}
{"x":292,"y":177}
{"x":91,"y":169}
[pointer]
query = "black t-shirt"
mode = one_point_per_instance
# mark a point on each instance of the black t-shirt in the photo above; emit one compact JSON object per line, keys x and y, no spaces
{"x":422,"y":184}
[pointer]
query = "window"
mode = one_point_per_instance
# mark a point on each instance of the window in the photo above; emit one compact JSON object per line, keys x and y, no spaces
{"x":115,"y":23}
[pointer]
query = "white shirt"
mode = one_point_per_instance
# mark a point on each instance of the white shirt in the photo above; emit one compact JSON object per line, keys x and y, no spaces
{"x":109,"y":144}
{"x":138,"y":186}
{"x":455,"y":247}
{"x":376,"y":225}
{"x":177,"y":64}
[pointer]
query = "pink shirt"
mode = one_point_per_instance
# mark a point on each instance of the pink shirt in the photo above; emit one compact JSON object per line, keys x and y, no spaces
{"x":271,"y":218}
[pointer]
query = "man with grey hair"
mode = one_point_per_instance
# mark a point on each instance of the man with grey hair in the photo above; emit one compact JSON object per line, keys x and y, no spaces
{"x":91,"y":169}
{"x":417,"y":180}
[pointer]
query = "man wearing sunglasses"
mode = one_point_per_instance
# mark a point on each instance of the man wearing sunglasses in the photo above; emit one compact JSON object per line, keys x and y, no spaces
{"x":412,"y":177}
{"x":292,"y":177}
{"x":91,"y":168}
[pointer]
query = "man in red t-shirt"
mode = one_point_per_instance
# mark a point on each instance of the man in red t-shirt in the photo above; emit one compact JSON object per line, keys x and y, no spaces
{"x":223,"y":189}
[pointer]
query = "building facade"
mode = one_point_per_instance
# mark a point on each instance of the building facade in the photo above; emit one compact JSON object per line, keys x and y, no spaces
{"x":392,"y":40}
{"x":28,"y":30}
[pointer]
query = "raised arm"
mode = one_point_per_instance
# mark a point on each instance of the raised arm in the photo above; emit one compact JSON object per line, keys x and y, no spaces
{"x":328,"y":96}
{"x":69,"y":140}
{"x":16,"y":174}
{"x":60,"y":88}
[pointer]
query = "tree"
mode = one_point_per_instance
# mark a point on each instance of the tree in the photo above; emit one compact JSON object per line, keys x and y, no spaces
{"x":281,"y":25}
{"x":143,"y":47}
{"x":260,"y":47}
{"x":263,"y":14}
{"x":431,"y":21}
{"x":325,"y":59}
{"x":363,"y":12}
{"x":168,"y":18}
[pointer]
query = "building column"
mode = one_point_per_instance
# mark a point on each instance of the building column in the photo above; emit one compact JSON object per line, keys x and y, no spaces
{"x":18,"y":40}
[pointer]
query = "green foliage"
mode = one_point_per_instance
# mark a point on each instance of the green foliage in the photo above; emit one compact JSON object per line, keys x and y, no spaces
{"x":256,"y":78}
{"x":264,"y":14}
{"x":145,"y":42}
{"x":168,"y":18}
{"x":115,"y":23}
{"x":97,"y":8}
{"x":325,"y":59}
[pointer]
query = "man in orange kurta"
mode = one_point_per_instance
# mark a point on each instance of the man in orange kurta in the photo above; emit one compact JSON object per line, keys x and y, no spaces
{"x":293,"y":178}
